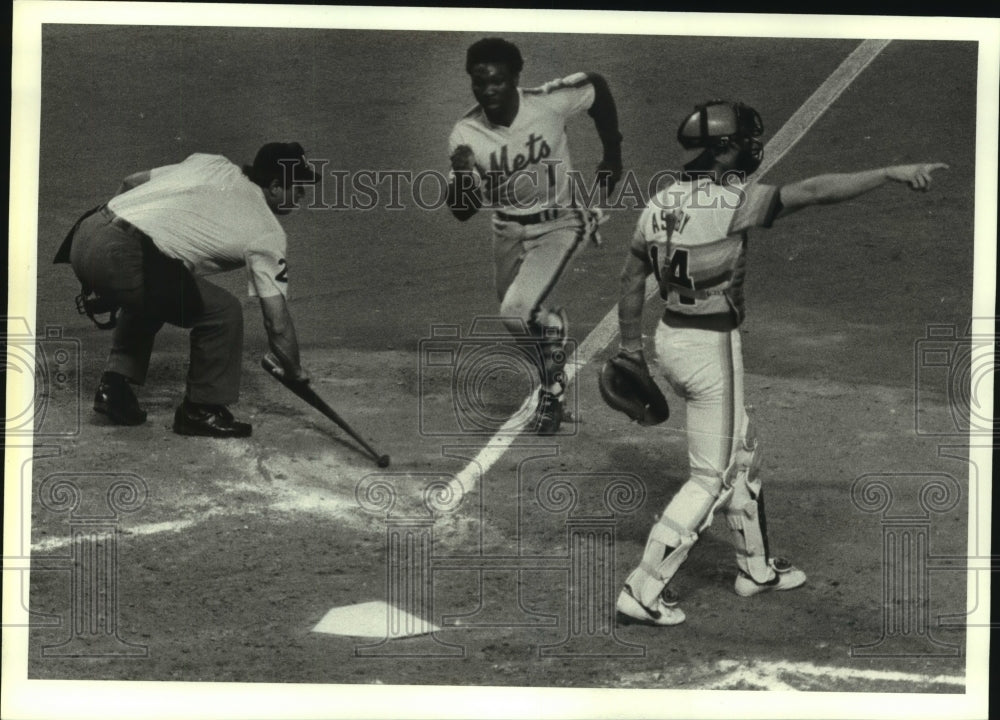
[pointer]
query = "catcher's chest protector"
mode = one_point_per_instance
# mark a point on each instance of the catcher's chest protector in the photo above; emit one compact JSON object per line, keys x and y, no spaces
{"x":698,"y":264}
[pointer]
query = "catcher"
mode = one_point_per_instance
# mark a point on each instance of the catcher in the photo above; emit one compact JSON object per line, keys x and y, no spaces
{"x":693,"y":237}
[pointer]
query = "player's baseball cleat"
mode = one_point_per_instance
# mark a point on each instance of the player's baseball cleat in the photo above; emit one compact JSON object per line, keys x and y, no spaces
{"x":786,"y":577}
{"x":549,"y":414}
{"x":115,"y":399}
{"x":208,"y":421}
{"x":666,"y":612}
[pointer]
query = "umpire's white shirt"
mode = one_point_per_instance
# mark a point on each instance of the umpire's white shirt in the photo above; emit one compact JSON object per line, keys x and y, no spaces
{"x":205,"y":212}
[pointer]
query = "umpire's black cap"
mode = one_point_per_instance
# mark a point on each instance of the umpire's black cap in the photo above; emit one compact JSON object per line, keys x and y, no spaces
{"x":282,"y":161}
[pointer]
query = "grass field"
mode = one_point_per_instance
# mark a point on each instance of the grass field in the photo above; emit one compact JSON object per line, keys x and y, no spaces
{"x":238,"y":548}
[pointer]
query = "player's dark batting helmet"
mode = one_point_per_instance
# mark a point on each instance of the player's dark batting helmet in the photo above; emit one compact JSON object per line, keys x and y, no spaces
{"x":720,"y":123}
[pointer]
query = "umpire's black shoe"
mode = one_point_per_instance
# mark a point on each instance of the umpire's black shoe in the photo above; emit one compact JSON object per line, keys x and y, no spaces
{"x":208,"y":421}
{"x":115,"y":399}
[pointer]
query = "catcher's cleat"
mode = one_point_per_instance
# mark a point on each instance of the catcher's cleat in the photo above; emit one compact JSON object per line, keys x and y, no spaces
{"x":114,"y":398}
{"x":786,"y":577}
{"x":549,"y":413}
{"x":208,"y":421}
{"x":666,"y":612}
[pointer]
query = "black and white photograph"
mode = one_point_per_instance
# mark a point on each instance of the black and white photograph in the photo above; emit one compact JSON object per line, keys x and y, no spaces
{"x":403,"y":362}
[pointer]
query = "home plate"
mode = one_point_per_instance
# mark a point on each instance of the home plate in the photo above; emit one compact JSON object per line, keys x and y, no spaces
{"x":373,"y":619}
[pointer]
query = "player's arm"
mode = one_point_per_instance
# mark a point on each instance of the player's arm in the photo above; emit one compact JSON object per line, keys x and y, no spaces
{"x":605,"y":115}
{"x":837,"y":187}
{"x":632,"y":298}
{"x":465,"y":195}
{"x":281,"y":337}
{"x":132,"y":181}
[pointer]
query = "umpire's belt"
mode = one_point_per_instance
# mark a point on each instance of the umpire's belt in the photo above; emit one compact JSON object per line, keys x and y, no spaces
{"x":121,"y":223}
{"x":534,"y":218}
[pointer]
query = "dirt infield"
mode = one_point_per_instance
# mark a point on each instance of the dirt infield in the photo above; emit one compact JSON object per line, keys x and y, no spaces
{"x":237,"y":549}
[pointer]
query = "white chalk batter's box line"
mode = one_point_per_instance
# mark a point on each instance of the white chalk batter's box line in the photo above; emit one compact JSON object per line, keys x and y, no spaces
{"x":780,"y":675}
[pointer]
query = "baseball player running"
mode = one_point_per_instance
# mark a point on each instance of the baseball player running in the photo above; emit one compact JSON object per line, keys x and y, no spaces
{"x":146,"y":251}
{"x":693,"y":237}
{"x":510,"y":153}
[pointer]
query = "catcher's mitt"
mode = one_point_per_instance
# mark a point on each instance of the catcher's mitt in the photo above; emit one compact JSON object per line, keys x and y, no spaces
{"x":627,"y":386}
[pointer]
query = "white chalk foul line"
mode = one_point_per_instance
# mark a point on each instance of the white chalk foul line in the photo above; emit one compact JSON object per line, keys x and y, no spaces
{"x":50,"y":544}
{"x":276,"y":495}
{"x":789,"y":675}
{"x":605,"y":331}
{"x":816,"y":104}
{"x":847,"y":673}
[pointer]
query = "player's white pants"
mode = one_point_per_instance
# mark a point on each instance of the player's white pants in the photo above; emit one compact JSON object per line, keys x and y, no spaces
{"x":529,"y":260}
{"x":705,"y":367}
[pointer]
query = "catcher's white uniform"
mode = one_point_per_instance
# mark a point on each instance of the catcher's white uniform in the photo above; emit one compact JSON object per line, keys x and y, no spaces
{"x":693,"y":237}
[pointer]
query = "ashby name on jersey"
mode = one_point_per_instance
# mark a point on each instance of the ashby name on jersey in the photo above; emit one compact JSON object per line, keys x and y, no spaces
{"x":694,"y":236}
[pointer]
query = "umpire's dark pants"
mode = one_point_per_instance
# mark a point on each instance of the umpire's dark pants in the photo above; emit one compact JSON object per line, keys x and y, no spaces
{"x":121,"y":264}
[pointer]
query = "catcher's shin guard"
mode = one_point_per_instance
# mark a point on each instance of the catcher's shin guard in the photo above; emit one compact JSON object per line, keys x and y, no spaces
{"x":666,"y":550}
{"x":673,"y":535}
{"x":745,"y":511}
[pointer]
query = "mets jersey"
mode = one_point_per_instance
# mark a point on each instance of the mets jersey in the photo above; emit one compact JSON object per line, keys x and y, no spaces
{"x":205,"y":212}
{"x":527,"y":164}
{"x":694,"y":236}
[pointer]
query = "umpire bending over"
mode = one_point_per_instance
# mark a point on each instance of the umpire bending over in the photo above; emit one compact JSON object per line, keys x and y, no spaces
{"x":146,"y":252}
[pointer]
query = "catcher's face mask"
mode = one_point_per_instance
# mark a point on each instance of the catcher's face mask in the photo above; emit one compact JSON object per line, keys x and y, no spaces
{"x":719,"y":124}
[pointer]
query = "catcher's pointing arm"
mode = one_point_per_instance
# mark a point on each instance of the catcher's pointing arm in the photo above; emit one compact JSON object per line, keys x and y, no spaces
{"x":835,"y":188}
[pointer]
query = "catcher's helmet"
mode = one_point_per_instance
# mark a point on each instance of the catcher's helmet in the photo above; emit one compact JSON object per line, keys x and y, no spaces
{"x":720,"y":123}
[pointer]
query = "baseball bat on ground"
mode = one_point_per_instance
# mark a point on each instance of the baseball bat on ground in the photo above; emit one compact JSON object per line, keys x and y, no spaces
{"x":305,"y":391}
